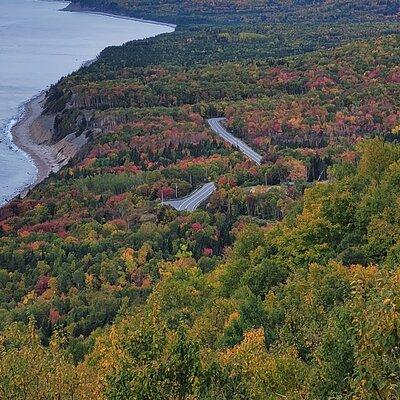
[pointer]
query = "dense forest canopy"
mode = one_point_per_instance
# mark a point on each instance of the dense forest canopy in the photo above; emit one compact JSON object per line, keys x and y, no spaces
{"x":285,"y":283}
{"x":189,"y":12}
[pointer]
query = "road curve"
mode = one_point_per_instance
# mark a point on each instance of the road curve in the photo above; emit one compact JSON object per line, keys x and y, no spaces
{"x":215,"y":124}
{"x":191,"y":202}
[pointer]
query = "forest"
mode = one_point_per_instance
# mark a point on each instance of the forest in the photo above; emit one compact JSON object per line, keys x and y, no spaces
{"x":285,"y":283}
{"x":187,"y":13}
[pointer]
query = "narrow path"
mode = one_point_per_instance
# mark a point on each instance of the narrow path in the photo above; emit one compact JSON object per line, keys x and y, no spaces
{"x":215,"y":124}
{"x":191,"y":202}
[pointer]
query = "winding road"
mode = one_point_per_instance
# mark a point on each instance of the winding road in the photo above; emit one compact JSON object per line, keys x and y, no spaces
{"x":191,"y":202}
{"x":215,"y":124}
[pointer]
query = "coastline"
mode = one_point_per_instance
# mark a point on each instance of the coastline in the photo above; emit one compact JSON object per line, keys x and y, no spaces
{"x":24,"y":138}
{"x":30,"y":136}
{"x":73,"y":8}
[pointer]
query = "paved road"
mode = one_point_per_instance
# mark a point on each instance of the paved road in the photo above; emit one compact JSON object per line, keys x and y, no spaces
{"x":191,"y":202}
{"x":215,"y":124}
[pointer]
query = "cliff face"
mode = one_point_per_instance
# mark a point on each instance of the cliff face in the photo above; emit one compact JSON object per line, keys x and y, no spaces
{"x":75,"y":118}
{"x":60,"y":145}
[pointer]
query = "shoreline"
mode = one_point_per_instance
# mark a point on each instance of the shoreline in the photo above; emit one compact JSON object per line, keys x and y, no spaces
{"x":44,"y":156}
{"x":23,"y":137}
{"x":71,"y":8}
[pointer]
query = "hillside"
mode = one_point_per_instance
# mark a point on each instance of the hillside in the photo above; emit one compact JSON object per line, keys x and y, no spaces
{"x":285,"y":283}
{"x":227,"y":12}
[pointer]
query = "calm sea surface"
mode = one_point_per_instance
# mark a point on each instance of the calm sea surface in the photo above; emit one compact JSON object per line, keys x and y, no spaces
{"x":39,"y":45}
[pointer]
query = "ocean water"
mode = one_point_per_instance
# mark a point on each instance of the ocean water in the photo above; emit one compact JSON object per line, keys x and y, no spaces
{"x":38,"y":45}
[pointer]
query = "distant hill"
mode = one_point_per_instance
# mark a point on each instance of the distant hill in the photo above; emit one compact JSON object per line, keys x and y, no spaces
{"x":206,"y":11}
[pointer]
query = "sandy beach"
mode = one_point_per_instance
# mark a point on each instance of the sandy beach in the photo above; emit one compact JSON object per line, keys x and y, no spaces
{"x":25,"y":138}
